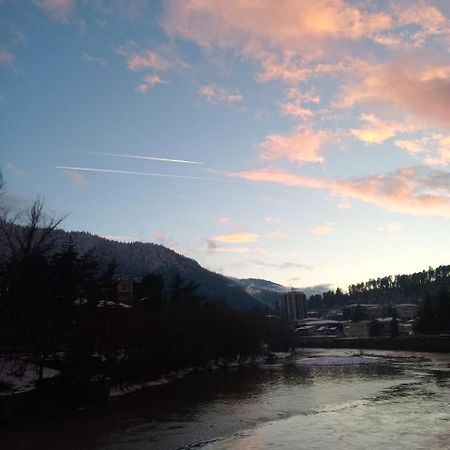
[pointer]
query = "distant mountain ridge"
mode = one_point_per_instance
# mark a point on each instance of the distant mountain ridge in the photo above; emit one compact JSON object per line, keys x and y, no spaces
{"x":136,"y":259}
{"x":267,"y":292}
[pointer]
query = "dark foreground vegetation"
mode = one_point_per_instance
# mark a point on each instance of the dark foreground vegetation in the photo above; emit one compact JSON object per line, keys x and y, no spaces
{"x":59,"y":310}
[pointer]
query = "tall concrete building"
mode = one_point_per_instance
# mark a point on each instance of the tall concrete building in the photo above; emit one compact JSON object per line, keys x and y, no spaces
{"x":292,"y":306}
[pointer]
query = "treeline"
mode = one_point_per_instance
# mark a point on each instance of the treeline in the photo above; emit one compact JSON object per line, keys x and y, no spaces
{"x":434,"y":313}
{"x":414,"y":282}
{"x":386,"y":290}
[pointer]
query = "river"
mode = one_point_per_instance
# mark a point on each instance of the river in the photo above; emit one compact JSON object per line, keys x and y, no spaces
{"x":318,"y":399}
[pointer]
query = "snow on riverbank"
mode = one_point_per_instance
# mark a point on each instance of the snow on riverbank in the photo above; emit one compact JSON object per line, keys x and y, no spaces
{"x":129,"y":388}
{"x":20,"y":375}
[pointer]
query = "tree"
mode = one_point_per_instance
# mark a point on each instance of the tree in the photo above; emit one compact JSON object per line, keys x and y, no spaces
{"x":394,"y":326}
{"x":150,"y":291}
{"x":375,"y":328}
{"x":183,"y":292}
{"x":26,"y":239}
{"x":108,"y":283}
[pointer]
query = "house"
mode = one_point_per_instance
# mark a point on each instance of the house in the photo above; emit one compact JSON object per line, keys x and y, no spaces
{"x":357,"y":329}
{"x":407,"y":311}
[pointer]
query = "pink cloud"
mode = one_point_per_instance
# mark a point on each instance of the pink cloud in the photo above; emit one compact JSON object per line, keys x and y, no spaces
{"x":158,"y":234}
{"x":56,"y":9}
{"x":77,"y":178}
{"x":430,"y":20}
{"x":433,"y":148}
{"x":277,"y":234}
{"x":224,"y":220}
{"x":302,"y":146}
{"x":416,"y":191}
{"x":138,"y":59}
{"x":294,"y":24}
{"x":148,"y":82}
{"x":286,"y":38}
{"x":216,"y":94}
{"x":146,"y":60}
{"x":6,"y":57}
{"x":423,"y":91}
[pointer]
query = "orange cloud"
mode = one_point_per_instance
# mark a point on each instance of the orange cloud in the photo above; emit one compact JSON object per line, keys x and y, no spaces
{"x":236,"y":237}
{"x":323,"y":230}
{"x":417,"y":191}
{"x":301,"y":146}
{"x":215,"y":94}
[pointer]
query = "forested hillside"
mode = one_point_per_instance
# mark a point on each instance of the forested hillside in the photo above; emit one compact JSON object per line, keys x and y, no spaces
{"x":412,"y":288}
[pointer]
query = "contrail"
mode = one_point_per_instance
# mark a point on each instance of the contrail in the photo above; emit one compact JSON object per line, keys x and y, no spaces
{"x":130,"y":172}
{"x":151,"y":158}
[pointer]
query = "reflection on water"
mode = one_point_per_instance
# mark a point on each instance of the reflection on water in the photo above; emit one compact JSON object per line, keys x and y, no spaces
{"x":319,"y":399}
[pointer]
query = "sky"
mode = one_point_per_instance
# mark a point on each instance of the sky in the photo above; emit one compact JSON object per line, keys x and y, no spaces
{"x":304,"y":142}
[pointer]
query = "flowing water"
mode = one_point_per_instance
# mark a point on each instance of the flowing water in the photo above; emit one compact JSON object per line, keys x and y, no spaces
{"x":318,"y":399}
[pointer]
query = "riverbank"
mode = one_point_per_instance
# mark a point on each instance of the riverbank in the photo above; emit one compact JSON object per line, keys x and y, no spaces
{"x":26,"y":397}
{"x":433,"y":344}
{"x":129,"y":388}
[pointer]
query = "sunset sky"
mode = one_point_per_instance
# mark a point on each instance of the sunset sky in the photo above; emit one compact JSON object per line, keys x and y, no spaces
{"x":304,"y":142}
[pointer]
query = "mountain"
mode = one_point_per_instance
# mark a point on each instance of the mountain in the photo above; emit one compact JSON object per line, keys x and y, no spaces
{"x":266,"y":292}
{"x":135,"y":259}
{"x":262,"y":284}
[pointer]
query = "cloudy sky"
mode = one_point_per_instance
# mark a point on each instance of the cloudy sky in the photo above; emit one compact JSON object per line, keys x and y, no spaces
{"x":301,"y":141}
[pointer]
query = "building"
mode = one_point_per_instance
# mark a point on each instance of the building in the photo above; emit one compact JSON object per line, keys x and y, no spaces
{"x":319,"y":327}
{"x":357,"y":329}
{"x":407,"y":311}
{"x":125,"y":290}
{"x":292,"y":306}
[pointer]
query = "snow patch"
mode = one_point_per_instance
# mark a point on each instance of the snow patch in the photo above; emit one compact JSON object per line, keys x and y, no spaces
{"x":20,"y":375}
